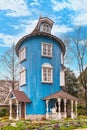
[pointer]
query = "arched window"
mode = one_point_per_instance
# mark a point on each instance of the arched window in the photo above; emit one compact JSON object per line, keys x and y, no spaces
{"x":47,"y":73}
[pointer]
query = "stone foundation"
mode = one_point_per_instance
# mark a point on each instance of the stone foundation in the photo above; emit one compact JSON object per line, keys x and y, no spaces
{"x":35,"y":117}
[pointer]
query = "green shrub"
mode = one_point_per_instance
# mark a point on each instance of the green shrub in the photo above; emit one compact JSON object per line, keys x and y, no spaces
{"x":81,"y":110}
{"x":8,"y":128}
{"x":19,"y":124}
{"x":3,"y":112}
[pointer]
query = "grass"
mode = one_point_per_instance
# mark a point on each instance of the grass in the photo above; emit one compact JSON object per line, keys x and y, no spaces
{"x":66,"y":124}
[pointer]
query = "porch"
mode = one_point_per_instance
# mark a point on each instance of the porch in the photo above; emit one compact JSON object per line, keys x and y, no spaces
{"x":61,"y":105}
{"x":18,"y":100}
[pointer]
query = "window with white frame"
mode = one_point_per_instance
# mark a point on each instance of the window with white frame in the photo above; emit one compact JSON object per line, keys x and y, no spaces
{"x":22,"y":76}
{"x":22,"y":54}
{"x":47,"y":73}
{"x":46,"y":49}
{"x":45,"y":28}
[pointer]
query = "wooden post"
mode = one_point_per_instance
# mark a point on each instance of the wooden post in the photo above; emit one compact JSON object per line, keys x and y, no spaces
{"x":17,"y":117}
{"x":47,"y":115}
{"x":10,"y":116}
{"x":59,"y":113}
{"x":76,"y":108}
{"x":65,"y":115}
{"x":72,"y":114}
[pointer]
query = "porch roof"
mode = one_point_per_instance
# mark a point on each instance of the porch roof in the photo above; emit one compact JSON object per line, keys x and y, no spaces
{"x":20,"y":96}
{"x":61,"y":94}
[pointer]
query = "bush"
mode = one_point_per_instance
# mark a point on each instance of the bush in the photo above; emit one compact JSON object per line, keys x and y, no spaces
{"x":81,"y":110}
{"x":3,"y":112}
{"x":8,"y":128}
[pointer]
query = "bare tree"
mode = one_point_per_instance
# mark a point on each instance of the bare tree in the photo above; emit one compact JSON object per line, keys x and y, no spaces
{"x":78,"y":48}
{"x":9,"y":67}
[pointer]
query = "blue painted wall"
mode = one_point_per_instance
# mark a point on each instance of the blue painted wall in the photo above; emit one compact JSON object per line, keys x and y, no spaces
{"x":34,"y":88}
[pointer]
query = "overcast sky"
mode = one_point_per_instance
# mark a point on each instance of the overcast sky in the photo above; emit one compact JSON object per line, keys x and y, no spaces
{"x":19,"y":17}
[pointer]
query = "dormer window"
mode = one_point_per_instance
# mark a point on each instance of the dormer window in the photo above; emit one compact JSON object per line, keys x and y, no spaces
{"x":45,"y":28}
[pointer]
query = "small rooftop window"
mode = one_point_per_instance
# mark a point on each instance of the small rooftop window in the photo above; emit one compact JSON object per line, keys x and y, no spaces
{"x":45,"y":28}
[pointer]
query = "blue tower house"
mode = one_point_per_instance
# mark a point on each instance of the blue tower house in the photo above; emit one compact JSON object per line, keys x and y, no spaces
{"x":41,"y":74}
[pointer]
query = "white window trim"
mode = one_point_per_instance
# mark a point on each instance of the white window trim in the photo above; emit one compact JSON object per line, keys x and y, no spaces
{"x":23,"y":70}
{"x":62,"y":58}
{"x":49,"y":66}
{"x":50,"y":56}
{"x":22,"y":54}
{"x":62,"y":78}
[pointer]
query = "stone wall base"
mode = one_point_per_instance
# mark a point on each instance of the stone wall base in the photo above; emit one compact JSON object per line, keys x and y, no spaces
{"x":35,"y":117}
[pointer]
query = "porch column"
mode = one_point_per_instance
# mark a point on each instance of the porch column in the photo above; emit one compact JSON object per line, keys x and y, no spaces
{"x":72,"y":114}
{"x":76,"y":108}
{"x":17,"y":117}
{"x":65,"y":115}
{"x":59,"y":113}
{"x":10,"y":116}
{"x":47,"y":115}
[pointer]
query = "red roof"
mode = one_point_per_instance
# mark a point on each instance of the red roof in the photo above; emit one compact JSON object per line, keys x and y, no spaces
{"x":20,"y":96}
{"x":61,"y":94}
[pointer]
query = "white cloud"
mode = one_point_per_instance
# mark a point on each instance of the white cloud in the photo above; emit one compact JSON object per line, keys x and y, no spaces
{"x":83,"y":42}
{"x":76,"y":72}
{"x":81,"y":19}
{"x":79,"y":7}
{"x":61,"y":29}
{"x":8,"y":40}
{"x":30,"y":25}
{"x":35,"y":3}
{"x":58,"y":5}
{"x":14,"y":7}
{"x":71,"y":4}
{"x":27,"y":27}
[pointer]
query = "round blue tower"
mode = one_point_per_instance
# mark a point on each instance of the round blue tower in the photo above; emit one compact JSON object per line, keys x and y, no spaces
{"x":40,"y":64}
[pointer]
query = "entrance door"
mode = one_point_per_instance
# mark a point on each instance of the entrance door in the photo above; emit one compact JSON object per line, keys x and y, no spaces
{"x":22,"y":110}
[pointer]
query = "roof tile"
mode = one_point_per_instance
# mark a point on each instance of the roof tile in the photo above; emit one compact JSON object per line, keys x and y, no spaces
{"x":20,"y":96}
{"x":61,"y":94}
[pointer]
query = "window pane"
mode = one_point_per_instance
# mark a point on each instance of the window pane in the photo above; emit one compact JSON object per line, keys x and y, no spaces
{"x":47,"y":50}
{"x":22,"y":77}
{"x":22,"y":54}
{"x":47,"y":74}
